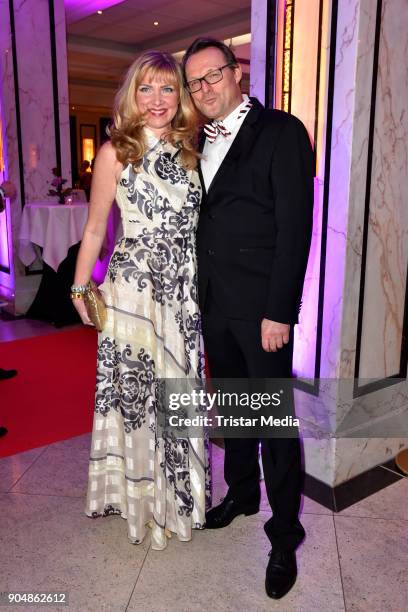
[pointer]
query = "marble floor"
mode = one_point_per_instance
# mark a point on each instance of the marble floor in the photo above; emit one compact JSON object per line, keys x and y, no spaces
{"x":19,"y":329}
{"x":355,"y":560}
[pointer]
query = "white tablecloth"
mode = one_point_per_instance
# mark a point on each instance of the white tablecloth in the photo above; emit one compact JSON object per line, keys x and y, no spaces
{"x":54,"y":227}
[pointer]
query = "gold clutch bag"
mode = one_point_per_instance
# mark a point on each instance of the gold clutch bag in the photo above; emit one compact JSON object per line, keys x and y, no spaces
{"x":95,"y":306}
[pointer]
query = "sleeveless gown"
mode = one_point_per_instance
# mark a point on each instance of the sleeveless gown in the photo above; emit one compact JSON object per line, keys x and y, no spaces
{"x":152,"y":332}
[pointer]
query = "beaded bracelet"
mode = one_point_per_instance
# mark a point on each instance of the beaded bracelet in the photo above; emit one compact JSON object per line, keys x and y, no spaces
{"x":79,"y":288}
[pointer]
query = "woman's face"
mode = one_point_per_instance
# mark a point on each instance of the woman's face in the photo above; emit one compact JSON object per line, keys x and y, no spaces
{"x":158,"y":101}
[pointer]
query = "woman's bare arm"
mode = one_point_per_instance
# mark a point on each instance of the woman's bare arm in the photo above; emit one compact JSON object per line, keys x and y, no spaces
{"x":105,"y":176}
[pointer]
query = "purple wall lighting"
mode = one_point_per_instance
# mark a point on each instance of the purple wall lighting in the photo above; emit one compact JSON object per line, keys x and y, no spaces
{"x":5,"y":237}
{"x":306,"y":332}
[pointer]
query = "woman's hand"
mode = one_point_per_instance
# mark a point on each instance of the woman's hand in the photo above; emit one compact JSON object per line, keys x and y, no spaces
{"x":79,"y":305}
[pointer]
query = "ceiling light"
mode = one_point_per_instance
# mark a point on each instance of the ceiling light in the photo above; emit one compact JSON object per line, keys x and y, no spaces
{"x":99,"y":12}
{"x":155,"y":23}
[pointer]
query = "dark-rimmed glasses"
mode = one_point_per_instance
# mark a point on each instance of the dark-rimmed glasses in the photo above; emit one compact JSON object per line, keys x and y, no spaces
{"x":212,"y":77}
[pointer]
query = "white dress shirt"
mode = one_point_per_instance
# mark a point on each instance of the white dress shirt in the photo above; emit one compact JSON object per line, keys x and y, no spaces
{"x":214,"y":152}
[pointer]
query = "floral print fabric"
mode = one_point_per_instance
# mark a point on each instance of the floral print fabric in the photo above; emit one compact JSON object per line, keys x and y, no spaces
{"x":152,"y":333}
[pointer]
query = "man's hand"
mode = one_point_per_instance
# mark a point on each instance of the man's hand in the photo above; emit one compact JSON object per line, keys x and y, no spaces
{"x":274,"y":335}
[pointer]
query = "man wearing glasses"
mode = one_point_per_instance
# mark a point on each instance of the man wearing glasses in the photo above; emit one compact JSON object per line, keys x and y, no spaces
{"x":253,"y":242}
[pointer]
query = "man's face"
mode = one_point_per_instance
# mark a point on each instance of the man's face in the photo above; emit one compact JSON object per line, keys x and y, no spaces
{"x":215,"y":101}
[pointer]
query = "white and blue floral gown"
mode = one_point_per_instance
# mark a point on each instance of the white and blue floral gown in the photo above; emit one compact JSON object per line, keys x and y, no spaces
{"x":152,"y":332}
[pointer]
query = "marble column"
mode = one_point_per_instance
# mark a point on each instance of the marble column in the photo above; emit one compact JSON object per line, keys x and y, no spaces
{"x":369,"y":181}
{"x":35,"y":118}
{"x":259,"y":35}
{"x":349,"y":85}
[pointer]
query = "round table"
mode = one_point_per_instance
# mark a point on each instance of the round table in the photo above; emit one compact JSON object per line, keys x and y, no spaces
{"x":53,"y":227}
{"x":53,"y":233}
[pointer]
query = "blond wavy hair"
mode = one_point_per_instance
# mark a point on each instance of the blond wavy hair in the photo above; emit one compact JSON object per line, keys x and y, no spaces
{"x":126,"y":129}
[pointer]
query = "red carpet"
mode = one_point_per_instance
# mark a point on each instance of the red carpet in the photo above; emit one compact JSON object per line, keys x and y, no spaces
{"x":52,"y":397}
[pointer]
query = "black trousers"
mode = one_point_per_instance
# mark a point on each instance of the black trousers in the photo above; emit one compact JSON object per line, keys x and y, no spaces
{"x":234,"y":350}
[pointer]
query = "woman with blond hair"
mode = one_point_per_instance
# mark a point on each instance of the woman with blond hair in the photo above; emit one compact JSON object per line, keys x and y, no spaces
{"x":153,"y":327}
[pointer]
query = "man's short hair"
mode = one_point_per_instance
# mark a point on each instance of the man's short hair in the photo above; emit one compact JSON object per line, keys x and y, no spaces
{"x":205,"y":43}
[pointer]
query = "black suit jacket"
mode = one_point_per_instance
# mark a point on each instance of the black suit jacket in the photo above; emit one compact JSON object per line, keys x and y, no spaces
{"x":255,"y":222}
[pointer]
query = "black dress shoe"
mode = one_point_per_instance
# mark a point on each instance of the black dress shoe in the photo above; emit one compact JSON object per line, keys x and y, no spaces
{"x":5,"y":374}
{"x":3,"y":431}
{"x":280,"y":574}
{"x":222,"y":515}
